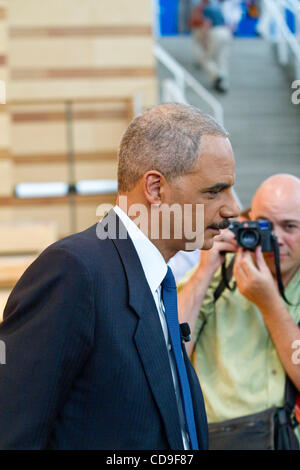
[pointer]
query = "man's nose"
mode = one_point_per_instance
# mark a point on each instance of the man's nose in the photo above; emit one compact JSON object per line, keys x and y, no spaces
{"x":231,"y":207}
{"x":278,"y":232}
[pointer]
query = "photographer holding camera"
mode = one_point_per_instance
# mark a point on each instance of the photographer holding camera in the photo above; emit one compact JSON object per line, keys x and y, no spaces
{"x":245,"y":339}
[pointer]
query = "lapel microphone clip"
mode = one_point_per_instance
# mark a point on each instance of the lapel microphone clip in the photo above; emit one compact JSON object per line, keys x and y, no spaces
{"x":185,"y":332}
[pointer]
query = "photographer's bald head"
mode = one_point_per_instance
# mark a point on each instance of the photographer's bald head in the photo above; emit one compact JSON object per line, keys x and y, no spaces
{"x":278,"y":200}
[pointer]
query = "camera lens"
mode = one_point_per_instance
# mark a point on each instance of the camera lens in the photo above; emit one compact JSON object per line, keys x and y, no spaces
{"x":249,"y":238}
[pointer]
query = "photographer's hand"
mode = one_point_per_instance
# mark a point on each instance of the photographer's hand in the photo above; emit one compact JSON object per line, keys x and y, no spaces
{"x":255,"y":281}
{"x":212,"y":259}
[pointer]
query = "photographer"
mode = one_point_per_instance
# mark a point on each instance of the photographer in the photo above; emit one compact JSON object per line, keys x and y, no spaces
{"x":243,"y":343}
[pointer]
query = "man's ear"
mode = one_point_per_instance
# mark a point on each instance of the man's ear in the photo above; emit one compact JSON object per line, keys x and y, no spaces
{"x":152,"y":186}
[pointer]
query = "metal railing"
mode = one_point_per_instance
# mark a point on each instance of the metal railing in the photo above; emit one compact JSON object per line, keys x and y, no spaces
{"x":285,"y":39}
{"x":292,"y":5}
{"x":174,"y":89}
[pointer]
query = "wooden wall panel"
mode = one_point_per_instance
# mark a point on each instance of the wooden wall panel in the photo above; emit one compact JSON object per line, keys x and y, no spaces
{"x":4,"y":130}
{"x":5,"y":163}
{"x":43,"y":172}
{"x":3,"y":37}
{"x":3,"y":34}
{"x":81,"y":48}
{"x":83,"y":31}
{"x":80,"y":73}
{"x":12,"y":268}
{"x":56,"y":53}
{"x":57,"y":210}
{"x":6,"y":213}
{"x":50,"y":137}
{"x":26,"y":237}
{"x":40,"y":132}
{"x":6,"y":177}
{"x":85,"y":88}
{"x":79,"y":12}
{"x":4,"y":294}
{"x":73,"y":49}
{"x":90,"y":137}
{"x":3,"y":73}
{"x":36,"y":132}
{"x":48,"y":212}
{"x":3,"y":12}
{"x":86,"y":215}
{"x":28,"y":172}
{"x":96,"y":170}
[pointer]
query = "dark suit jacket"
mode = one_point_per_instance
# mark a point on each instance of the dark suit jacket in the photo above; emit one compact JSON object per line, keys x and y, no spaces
{"x":86,"y":360}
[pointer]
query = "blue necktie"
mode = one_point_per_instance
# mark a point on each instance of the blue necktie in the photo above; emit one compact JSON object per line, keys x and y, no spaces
{"x":169,"y":295}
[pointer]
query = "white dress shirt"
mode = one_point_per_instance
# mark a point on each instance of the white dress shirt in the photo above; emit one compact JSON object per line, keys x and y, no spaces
{"x":155,"y":269}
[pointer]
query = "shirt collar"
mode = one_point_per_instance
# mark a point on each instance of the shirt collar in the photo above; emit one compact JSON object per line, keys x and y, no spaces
{"x":152,"y":261}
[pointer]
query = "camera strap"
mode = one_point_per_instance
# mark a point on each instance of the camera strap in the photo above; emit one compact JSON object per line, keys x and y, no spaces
{"x":277,"y":267}
{"x":225,"y":279}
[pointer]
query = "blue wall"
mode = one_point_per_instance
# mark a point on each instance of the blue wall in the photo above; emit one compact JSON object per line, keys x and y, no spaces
{"x":168,"y":14}
{"x":168,"y":19}
{"x":290,"y":19}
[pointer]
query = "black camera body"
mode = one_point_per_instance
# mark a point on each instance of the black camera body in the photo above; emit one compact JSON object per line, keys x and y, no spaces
{"x":252,"y":233}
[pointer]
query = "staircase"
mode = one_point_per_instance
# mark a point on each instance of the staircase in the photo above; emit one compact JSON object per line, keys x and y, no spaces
{"x":263,"y":123}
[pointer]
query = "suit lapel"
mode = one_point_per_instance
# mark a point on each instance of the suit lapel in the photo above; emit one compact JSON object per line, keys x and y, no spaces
{"x":149,"y":338}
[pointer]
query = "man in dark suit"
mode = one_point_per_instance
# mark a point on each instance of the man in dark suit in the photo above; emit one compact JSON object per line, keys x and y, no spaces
{"x":89,"y":361}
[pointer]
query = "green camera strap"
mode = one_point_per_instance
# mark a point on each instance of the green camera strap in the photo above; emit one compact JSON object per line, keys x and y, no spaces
{"x":277,"y":267}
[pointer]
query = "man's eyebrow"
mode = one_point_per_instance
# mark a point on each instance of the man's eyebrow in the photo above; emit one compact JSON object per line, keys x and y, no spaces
{"x":217,"y":187}
{"x":288,"y":221}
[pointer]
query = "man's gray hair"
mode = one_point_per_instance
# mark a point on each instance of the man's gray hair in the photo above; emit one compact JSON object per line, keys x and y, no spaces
{"x":165,"y":138}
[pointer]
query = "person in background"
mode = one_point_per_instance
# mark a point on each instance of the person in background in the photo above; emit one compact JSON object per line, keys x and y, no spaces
{"x":243,"y":343}
{"x":185,"y":8}
{"x":212,"y":39}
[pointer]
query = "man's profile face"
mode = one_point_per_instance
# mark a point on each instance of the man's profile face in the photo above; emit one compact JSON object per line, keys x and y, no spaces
{"x":284,"y":213}
{"x":210,"y":184}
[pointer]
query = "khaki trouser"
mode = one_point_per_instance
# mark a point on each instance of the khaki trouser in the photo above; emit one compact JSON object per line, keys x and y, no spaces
{"x":214,"y":57}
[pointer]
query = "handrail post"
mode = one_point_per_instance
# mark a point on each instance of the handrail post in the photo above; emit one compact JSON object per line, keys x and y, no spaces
{"x":182,"y":78}
{"x":282,"y":49}
{"x":286,"y":38}
{"x":137,"y":103}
